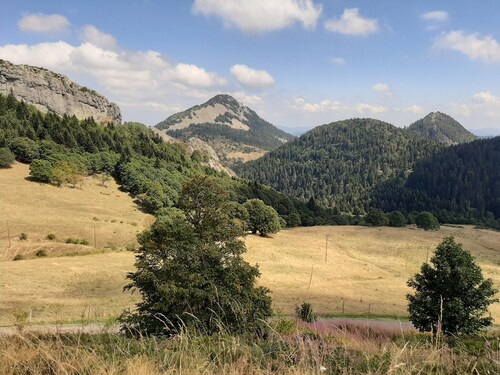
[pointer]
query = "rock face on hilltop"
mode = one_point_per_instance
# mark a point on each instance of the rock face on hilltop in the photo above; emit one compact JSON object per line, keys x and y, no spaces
{"x":440,"y":127}
{"x":232,"y":129}
{"x":52,"y":92}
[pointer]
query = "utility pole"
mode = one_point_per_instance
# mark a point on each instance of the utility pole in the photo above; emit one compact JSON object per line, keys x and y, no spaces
{"x":8,"y":232}
{"x":326,"y":248}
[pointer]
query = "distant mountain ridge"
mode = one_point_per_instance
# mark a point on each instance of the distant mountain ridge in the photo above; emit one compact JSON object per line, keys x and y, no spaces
{"x":52,"y":92}
{"x":230,"y":127}
{"x":440,"y":127}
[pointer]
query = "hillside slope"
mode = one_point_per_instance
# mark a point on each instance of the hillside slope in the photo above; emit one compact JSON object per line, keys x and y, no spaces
{"x":458,"y":184}
{"x":228,"y":126}
{"x":440,"y":127}
{"x":340,"y":163}
{"x":53,"y":92}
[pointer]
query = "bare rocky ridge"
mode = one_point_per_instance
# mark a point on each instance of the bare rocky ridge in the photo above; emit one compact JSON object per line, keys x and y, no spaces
{"x":52,"y":92}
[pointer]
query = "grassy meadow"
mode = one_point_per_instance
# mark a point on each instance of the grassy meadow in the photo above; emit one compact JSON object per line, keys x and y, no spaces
{"x":365,"y":271}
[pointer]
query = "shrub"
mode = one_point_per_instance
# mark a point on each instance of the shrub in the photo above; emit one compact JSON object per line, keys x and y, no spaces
{"x":427,"y":221}
{"x":7,"y":158}
{"x":84,"y":242}
{"x":51,"y":236}
{"x":305,"y":313}
{"x":23,"y":236}
{"x":376,"y":218}
{"x":396,"y":219}
{"x":19,"y":257}
{"x":41,"y":253}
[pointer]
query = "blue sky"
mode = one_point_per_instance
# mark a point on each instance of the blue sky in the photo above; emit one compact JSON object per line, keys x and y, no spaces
{"x":298,"y":63}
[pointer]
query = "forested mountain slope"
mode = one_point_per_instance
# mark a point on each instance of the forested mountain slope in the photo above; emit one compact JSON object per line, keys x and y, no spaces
{"x":340,"y":163}
{"x":458,"y":184}
{"x":440,"y":127}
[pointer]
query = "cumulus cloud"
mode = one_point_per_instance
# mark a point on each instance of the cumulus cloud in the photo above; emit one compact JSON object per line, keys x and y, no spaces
{"x":351,"y":23}
{"x":382,"y":88}
{"x":413,"y":109}
{"x":483,"y":104}
{"x":140,"y":77}
{"x":475,"y":46}
{"x":251,"y":77}
{"x":260,"y":15}
{"x":43,"y":23}
{"x":92,"y":34}
{"x":336,"y":107}
{"x":249,"y":100}
{"x":370,"y":108}
{"x":435,"y":16}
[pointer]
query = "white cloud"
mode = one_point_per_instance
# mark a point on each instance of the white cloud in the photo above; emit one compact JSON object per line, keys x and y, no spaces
{"x":351,"y":23}
{"x":248,"y":100}
{"x":49,"y":55}
{"x":475,"y":46}
{"x":193,"y":75}
{"x":413,"y":109}
{"x":338,"y":61}
{"x":382,"y":88}
{"x":483,"y":104}
{"x":251,"y":77}
{"x":336,"y":107}
{"x":92,"y":34}
{"x":261,"y":15}
{"x":370,"y":108}
{"x":43,"y":23}
{"x":435,"y":16}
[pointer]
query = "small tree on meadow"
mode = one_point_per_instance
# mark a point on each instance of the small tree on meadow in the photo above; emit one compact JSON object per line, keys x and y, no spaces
{"x":396,"y":219}
{"x":451,"y":296}
{"x":427,"y":221}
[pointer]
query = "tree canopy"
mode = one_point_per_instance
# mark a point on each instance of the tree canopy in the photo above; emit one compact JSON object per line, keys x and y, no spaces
{"x":190,"y":271}
{"x":451,"y":296}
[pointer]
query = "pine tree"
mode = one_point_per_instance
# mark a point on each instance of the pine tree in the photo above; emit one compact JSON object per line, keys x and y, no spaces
{"x":451,"y":296}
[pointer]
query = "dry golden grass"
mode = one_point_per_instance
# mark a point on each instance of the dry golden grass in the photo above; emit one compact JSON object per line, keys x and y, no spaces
{"x":366,"y":266}
{"x":366,"y":270}
{"x":246,"y":156}
{"x":39,"y":209}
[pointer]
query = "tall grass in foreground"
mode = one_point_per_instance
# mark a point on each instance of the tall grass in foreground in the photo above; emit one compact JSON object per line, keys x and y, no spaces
{"x":291,"y":348}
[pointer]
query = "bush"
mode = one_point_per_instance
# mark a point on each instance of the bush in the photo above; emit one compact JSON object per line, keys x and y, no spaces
{"x":376,"y":218}
{"x":396,"y":219}
{"x":41,"y":170}
{"x":305,"y":313}
{"x":41,"y":253}
{"x":51,"y":237}
{"x":427,"y":221}
{"x":84,"y":242}
{"x":7,"y":158}
{"x":23,"y":236}
{"x":19,"y":257}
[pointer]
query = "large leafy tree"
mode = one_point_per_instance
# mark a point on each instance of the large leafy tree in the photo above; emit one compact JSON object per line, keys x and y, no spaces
{"x":262,"y":218}
{"x":451,"y":295}
{"x":190,"y":271}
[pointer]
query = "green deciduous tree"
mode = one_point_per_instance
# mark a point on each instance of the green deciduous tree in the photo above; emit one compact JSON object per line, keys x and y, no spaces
{"x":262,"y":218}
{"x":376,"y":218}
{"x":451,"y":295}
{"x":427,"y":221}
{"x":190,"y":271}
{"x":396,"y":219}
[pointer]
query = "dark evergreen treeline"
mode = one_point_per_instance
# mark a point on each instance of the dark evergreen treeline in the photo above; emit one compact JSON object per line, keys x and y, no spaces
{"x":460,"y":184}
{"x":340,"y":163}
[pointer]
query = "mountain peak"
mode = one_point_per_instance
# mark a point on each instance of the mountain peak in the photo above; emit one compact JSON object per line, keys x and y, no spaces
{"x":440,"y":127}
{"x":234,"y":130}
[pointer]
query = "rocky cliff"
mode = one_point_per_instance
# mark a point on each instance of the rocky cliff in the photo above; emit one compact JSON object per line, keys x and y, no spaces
{"x":52,"y":92}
